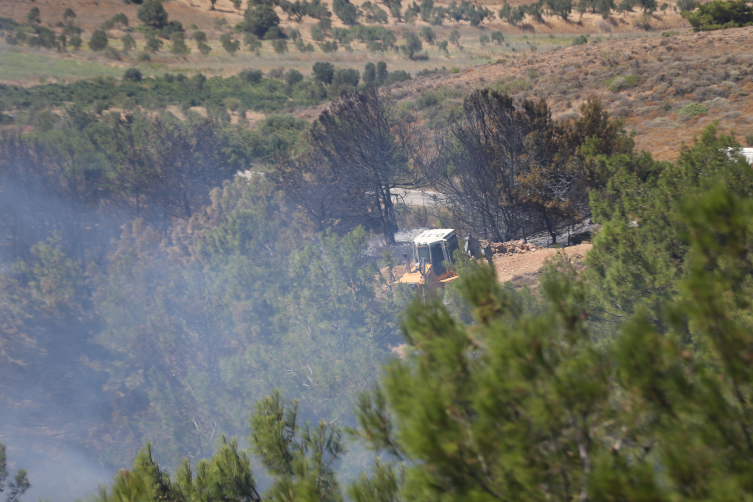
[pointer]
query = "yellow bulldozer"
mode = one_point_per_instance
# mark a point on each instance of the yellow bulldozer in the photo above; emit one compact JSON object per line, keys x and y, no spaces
{"x":430,"y":250}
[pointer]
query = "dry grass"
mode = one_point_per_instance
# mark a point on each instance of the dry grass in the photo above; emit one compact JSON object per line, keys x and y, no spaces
{"x":536,"y":61}
{"x":714,"y":69}
{"x":526,"y":37}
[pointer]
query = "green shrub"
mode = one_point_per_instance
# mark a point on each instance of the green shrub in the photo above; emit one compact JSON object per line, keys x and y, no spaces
{"x":617,"y":84}
{"x":581,"y":40}
{"x":258,"y":20}
{"x":132,"y":75}
{"x":693,"y":109}
{"x":252,"y":42}
{"x":317,"y":35}
{"x":204,"y":48}
{"x":719,"y":15}
{"x":749,"y":139}
{"x":442,"y":46}
{"x":686,"y":5}
{"x":323,"y":72}
{"x":153,"y":44}
{"x":328,"y":46}
{"x":231,"y":46}
{"x":412,"y":45}
{"x":484,"y":39}
{"x":428,"y":34}
{"x":498,"y":37}
{"x":179,"y":44}
{"x":454,"y":70}
{"x":128,"y":42}
{"x":153,"y":14}
{"x":251,"y":76}
{"x":98,"y":41}
{"x":292,"y":77}
{"x":455,"y":37}
{"x":346,"y":11}
{"x":303,"y":47}
{"x":280,"y":45}
{"x":397,"y":76}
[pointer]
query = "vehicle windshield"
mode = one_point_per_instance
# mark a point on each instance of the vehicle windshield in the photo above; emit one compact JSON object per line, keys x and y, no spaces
{"x":423,"y":253}
{"x":437,"y":257}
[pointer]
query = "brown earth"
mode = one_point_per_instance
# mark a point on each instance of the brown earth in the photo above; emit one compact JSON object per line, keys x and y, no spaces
{"x":516,"y":266}
{"x":519,"y":262}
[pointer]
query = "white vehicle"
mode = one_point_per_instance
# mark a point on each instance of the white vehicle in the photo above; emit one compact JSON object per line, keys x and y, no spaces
{"x":430,"y":250}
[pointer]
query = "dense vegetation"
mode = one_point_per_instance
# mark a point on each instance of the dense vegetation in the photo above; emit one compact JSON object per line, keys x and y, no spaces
{"x":134,"y":260}
{"x":597,"y":388}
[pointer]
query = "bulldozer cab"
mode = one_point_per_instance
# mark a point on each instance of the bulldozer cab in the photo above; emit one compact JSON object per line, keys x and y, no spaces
{"x":434,"y":247}
{"x":430,"y":250}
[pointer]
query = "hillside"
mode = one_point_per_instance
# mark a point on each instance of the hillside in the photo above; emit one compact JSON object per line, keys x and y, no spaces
{"x":646,"y":81}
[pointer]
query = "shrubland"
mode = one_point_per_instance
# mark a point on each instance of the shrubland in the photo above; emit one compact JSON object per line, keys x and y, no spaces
{"x":627,"y":380}
{"x":135,"y":263}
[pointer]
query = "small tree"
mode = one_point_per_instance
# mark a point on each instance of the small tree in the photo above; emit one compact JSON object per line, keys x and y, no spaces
{"x":382,"y":72}
{"x":442,"y":46}
{"x":132,"y":75}
{"x":20,"y":482}
{"x":120,"y":20}
{"x":231,"y":46}
{"x":323,"y":72}
{"x":259,"y":19}
{"x":411,"y":13}
{"x":455,"y":37}
{"x":426,"y":10}
{"x":292,"y":77}
{"x":75,"y":42}
{"x":280,"y":45}
{"x":428,"y":35}
{"x":98,"y":41}
{"x":252,"y":42}
{"x":199,"y":37}
{"x":251,"y":76}
{"x":648,"y":6}
{"x":204,"y":48}
{"x":179,"y":44}
{"x":128,"y":42}
{"x":346,"y":11}
{"x":153,"y":44}
{"x":33,"y":17}
{"x":412,"y":45}
{"x":69,"y":15}
{"x":153,"y":14}
{"x":562,"y":8}
{"x":498,"y":37}
{"x":369,"y":74}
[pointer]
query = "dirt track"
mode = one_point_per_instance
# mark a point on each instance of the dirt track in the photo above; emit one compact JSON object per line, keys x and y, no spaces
{"x":512,"y":266}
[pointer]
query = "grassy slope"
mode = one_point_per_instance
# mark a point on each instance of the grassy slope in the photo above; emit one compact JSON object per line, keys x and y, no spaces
{"x":713,"y":68}
{"x":91,"y":13}
{"x":671,"y":72}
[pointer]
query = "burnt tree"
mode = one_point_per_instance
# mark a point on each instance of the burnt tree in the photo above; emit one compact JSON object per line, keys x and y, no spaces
{"x":364,"y":145}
